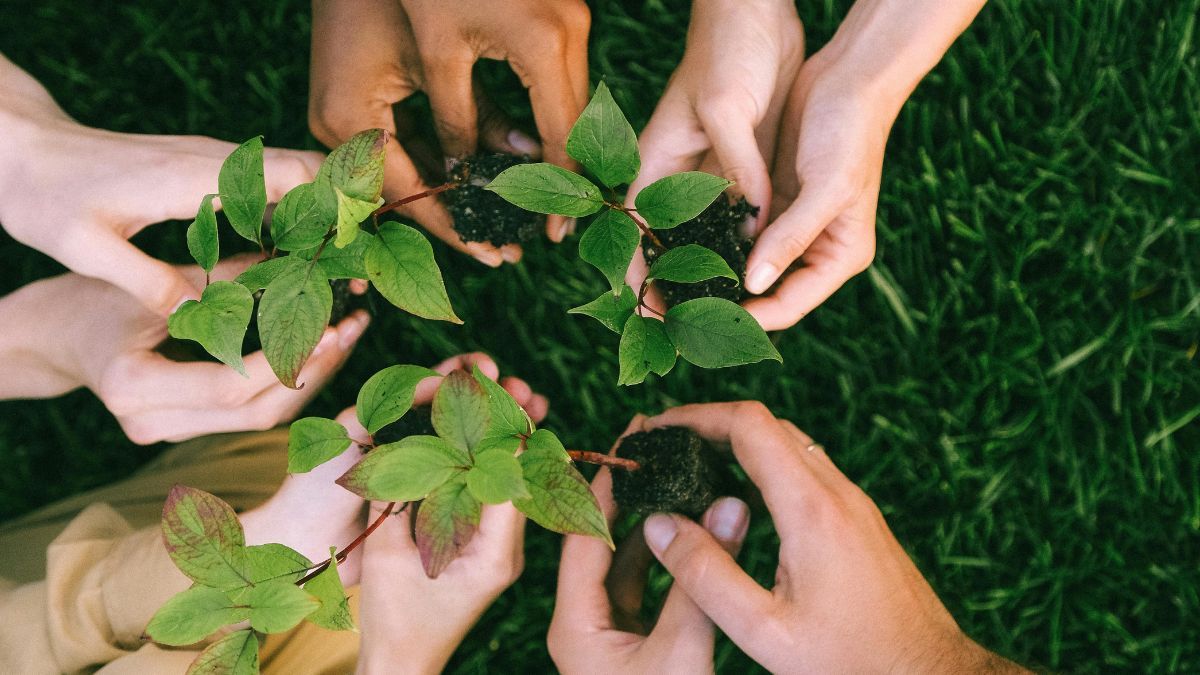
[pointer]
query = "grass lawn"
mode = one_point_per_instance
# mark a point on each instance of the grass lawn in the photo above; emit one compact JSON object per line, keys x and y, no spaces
{"x":1015,"y":380}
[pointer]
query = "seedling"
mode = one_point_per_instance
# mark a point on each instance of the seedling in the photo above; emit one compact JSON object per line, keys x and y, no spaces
{"x":470,"y":459}
{"x":710,"y":332}
{"x":315,"y":238}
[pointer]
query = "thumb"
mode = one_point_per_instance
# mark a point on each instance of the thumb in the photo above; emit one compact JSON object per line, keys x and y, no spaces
{"x":102,"y":254}
{"x":736,"y":149}
{"x":786,"y":239}
{"x":706,"y":571}
{"x":285,"y":169}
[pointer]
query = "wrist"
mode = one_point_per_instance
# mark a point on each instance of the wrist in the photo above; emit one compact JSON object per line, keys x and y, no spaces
{"x":399,"y":652}
{"x":36,"y":366}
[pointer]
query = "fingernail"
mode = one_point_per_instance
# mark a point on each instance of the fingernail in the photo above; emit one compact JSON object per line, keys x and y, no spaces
{"x":510,"y":254}
{"x":354,"y":330}
{"x":659,"y":531}
{"x":490,"y":258}
{"x":728,"y":518}
{"x":521,"y":142}
{"x":569,"y":226}
{"x":760,"y":277}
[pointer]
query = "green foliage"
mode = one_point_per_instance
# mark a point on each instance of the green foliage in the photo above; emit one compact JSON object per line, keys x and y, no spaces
{"x":278,"y":606}
{"x":312,"y":441}
{"x":234,"y":654}
{"x":326,"y":587}
{"x":218,"y":321}
{"x":559,"y":497}
{"x":301,"y":219}
{"x":399,"y":261}
{"x":202,"y":240}
{"x":243,"y":189}
{"x":292,"y":316}
{"x":446,"y":522}
{"x":342,"y":263}
{"x":546,"y":188}
{"x":405,"y":471}
{"x":603,"y":141}
{"x":496,"y":476}
{"x":351,"y":212}
{"x":506,"y":418}
{"x":388,"y":394}
{"x":204,"y":538}
{"x":193,"y":615}
{"x":460,"y":411}
{"x":356,"y":166}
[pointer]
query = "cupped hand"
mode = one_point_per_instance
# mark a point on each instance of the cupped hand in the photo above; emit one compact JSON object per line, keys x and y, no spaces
{"x":827,"y":175}
{"x":370,"y":54}
{"x":847,"y":598}
{"x":78,"y":194}
{"x":596,"y":626}
{"x":99,"y":337}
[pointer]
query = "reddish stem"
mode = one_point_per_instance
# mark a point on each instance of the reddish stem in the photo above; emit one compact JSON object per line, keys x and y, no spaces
{"x":654,"y":240}
{"x":642,"y":300}
{"x":390,"y":206}
{"x":604,"y":460}
{"x":341,"y":555}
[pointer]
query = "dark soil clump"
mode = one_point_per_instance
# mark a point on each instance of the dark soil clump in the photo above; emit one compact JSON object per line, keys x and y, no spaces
{"x":416,"y":422}
{"x":342,"y":300}
{"x":680,"y":473}
{"x":480,"y":215}
{"x":716,"y":228}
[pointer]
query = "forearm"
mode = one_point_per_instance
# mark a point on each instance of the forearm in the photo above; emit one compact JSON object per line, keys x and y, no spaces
{"x":885,"y":47}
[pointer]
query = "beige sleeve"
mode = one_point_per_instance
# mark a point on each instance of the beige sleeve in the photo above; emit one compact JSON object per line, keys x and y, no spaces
{"x":103,"y":583}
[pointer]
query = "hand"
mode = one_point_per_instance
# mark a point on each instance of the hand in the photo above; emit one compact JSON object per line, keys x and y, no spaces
{"x":411,"y":623}
{"x":720,"y":112}
{"x":846,"y":598}
{"x":596,"y":629}
{"x":370,"y":54}
{"x":832,"y":144}
{"x":72,"y":331}
{"x":78,"y":194}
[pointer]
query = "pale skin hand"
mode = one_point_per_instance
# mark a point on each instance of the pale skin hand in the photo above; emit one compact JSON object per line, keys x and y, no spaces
{"x":846,"y":598}
{"x":596,"y":629}
{"x":370,"y":54}
{"x":721,"y":110}
{"x":78,"y":194}
{"x":830,"y":157}
{"x":411,"y":623}
{"x":71,"y":331}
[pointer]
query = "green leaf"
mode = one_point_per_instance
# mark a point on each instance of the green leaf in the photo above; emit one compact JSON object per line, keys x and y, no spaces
{"x":292,"y":316}
{"x":400,"y":263}
{"x":612,"y":311}
{"x":461,"y":412}
{"x":388,"y":395}
{"x":312,"y":441}
{"x":608,"y":244}
{"x":446,"y":521}
{"x":234,"y":654}
{"x":676,"y":199}
{"x":406,"y":470}
{"x":193,"y":615}
{"x":603,"y":141}
{"x":496,"y":476}
{"x":218,"y":321}
{"x":260,"y":275}
{"x":269,"y":562}
{"x":342,"y":263}
{"x":326,"y":587}
{"x":204,"y":538}
{"x":546,"y":188}
{"x":356,"y":166}
{"x":716,"y":333}
{"x":278,"y":606}
{"x":645,"y":348}
{"x":301,"y":219}
{"x":689,"y":264}
{"x":560,"y":499}
{"x":505,"y":416}
{"x":351,"y":212}
{"x":243,"y":189}
{"x":202,"y":239}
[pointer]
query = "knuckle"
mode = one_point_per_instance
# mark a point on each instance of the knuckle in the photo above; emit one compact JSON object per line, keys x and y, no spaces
{"x":139,"y":431}
{"x":864,"y":257}
{"x":795,"y":242}
{"x":332,"y":122}
{"x":575,"y":17}
{"x":754,"y":412}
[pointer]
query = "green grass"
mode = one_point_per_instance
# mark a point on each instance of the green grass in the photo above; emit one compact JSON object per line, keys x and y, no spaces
{"x":1015,"y":381}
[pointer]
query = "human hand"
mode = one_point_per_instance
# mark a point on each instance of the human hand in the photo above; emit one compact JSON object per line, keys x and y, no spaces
{"x":721,"y":110}
{"x":847,"y":598}
{"x":831,"y":142}
{"x":411,"y":623}
{"x":370,"y":54}
{"x":596,"y":628}
{"x":73,"y":332}
{"x":78,"y":194}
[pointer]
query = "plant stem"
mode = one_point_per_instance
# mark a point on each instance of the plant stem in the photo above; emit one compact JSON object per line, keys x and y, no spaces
{"x":654,"y":240}
{"x":341,"y":555}
{"x":603,"y":460}
{"x":642,"y":299}
{"x":391,"y":206}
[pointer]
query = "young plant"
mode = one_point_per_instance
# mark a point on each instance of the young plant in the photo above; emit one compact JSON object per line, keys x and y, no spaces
{"x":709,"y":332}
{"x":293,"y":278}
{"x":445,"y":478}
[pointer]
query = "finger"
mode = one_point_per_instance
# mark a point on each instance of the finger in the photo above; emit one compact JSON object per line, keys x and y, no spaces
{"x":427,"y":387}
{"x":450,"y":87}
{"x":801,"y":291}
{"x":502,"y":529}
{"x":672,"y":142}
{"x":709,"y":576}
{"x":786,"y":239}
{"x":285,"y":169}
{"x":736,"y":149}
{"x":496,"y":131}
{"x":538,"y":408}
{"x":521,"y":392}
{"x":391,"y":541}
{"x":149,"y":381}
{"x":581,"y":599}
{"x":555,"y":110}
{"x":728,"y":520}
{"x":103,"y":254}
{"x":626,"y":581}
